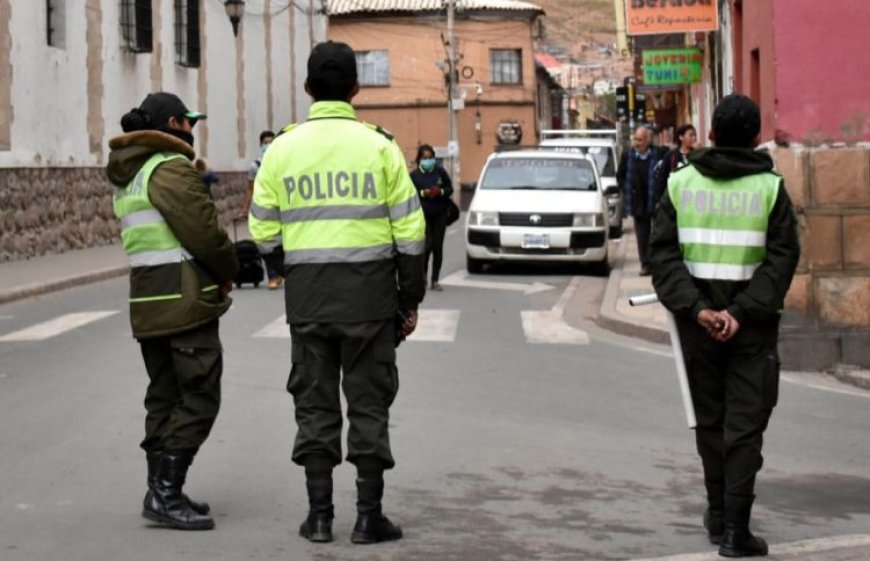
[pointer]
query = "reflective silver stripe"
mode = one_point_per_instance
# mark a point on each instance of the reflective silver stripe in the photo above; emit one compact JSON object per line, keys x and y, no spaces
{"x":269,"y":245}
{"x":265,"y":213}
{"x":404,"y":208}
{"x":411,"y":248}
{"x":338,"y":255}
{"x":334,"y":212}
{"x":719,"y":271}
{"x":141,"y":218}
{"x":160,"y":257}
{"x":713,"y":236}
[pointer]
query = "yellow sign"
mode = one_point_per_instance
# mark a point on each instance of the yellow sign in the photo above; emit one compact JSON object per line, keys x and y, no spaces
{"x":648,"y":17}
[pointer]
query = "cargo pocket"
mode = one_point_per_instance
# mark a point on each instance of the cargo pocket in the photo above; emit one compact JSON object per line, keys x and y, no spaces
{"x":771,"y":381}
{"x":297,"y":368}
{"x":387,"y":375}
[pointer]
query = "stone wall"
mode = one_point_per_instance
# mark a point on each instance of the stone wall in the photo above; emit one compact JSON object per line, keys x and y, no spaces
{"x":827,"y":316}
{"x":53,"y":210}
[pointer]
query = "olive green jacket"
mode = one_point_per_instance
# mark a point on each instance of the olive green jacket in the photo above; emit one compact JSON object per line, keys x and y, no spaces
{"x":177,"y":191}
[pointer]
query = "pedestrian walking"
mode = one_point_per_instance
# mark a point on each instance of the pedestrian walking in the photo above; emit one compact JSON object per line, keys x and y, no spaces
{"x":271,"y":253}
{"x":182,"y":265}
{"x":723,"y":252}
{"x":338,"y":194}
{"x":636,"y":179}
{"x":675,"y":158}
{"x":435,"y":189}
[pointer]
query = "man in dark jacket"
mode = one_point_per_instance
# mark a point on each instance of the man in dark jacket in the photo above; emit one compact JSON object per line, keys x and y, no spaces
{"x":724,"y":249}
{"x":636,"y":179}
{"x":182,"y":266}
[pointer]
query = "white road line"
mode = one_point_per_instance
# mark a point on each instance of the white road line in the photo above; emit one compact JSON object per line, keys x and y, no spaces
{"x":436,"y":326}
{"x":793,"y":548}
{"x":56,"y":326}
{"x":6,"y":317}
{"x":823,"y":387}
{"x":452,"y":231}
{"x":569,"y":293}
{"x":461,"y":278}
{"x":548,"y":327}
{"x":277,"y":329}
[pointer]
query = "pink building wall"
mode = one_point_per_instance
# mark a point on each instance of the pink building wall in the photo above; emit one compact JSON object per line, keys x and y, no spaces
{"x":813,"y":68}
{"x":823,"y":75}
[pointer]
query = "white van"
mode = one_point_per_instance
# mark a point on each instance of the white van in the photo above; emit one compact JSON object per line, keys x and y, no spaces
{"x":537,"y":205}
{"x":601,"y":145}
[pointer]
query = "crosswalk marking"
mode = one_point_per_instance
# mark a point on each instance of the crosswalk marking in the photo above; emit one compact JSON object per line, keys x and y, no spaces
{"x":56,"y":326}
{"x":436,"y":326}
{"x":548,"y":327}
{"x":277,"y":329}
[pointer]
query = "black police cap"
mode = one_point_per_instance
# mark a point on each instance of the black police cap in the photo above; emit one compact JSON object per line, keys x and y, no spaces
{"x":736,"y":121}
{"x":332,"y":61}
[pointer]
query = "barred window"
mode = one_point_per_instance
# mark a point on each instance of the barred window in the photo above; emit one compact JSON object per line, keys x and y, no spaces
{"x":373,"y":68}
{"x":136,"y":26}
{"x":187,"y":33}
{"x":506,"y":66}
{"x":55,"y":23}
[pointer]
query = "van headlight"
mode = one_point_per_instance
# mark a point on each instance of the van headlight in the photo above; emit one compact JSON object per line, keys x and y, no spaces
{"x":483,"y":219}
{"x":589,"y":220}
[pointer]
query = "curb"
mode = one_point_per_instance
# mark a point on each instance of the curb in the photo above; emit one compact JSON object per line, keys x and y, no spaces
{"x":38,"y":289}
{"x":853,"y":376}
{"x":610,"y":319}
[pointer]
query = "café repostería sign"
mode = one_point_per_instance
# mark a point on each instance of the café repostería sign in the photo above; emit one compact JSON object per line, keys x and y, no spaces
{"x":671,"y":66}
{"x":647,"y":17}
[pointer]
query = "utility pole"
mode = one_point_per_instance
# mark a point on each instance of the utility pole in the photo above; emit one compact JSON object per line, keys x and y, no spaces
{"x":453,"y":132}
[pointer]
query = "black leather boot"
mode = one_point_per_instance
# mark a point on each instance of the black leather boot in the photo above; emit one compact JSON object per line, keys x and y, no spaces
{"x":714,"y":516}
{"x":737,"y":540}
{"x":318,"y":526}
{"x":371,"y":524}
{"x":166,"y":504}
{"x":153,"y":458}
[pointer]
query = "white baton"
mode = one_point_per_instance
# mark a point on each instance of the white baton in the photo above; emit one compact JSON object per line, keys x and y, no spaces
{"x":682,"y":376}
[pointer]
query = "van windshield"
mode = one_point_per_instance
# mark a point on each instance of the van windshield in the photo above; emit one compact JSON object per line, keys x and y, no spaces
{"x":561,"y":174}
{"x":603,"y":156}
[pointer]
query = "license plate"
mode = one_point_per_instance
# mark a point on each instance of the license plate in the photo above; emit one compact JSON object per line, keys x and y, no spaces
{"x":536,"y":241}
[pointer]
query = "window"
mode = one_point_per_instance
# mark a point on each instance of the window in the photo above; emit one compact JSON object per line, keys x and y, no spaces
{"x":136,"y":26}
{"x":187,"y":33}
{"x":506,"y":66}
{"x":55,"y":28}
{"x":373,"y":68}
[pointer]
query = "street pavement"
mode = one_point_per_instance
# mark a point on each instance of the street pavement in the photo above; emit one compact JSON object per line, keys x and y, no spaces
{"x":523,"y":430}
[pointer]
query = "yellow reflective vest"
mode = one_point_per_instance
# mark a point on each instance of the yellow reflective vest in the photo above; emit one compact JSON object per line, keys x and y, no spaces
{"x":335,"y":193}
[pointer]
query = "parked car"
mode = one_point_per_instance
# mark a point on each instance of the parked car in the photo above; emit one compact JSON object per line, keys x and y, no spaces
{"x":537,"y":205}
{"x":601,"y":145}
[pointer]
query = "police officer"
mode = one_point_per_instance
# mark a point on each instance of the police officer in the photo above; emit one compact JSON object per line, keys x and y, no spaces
{"x":723,"y":252}
{"x":337,"y":194}
{"x":182,"y":265}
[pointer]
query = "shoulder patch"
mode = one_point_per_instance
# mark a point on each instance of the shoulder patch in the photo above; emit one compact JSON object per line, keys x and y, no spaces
{"x":389,"y":136}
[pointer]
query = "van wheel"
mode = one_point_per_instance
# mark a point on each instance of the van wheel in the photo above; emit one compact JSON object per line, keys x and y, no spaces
{"x":474,"y":266}
{"x":615,"y":232}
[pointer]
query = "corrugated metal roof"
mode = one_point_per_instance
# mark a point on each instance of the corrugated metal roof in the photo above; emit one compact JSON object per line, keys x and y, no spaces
{"x":347,"y":7}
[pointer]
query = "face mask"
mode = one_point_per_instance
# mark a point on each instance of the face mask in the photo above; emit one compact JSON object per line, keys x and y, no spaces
{"x":179,"y":134}
{"x":263,"y":148}
{"x":427,"y":164}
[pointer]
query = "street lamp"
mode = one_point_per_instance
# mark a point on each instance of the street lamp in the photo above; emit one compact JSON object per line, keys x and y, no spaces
{"x":235,"y":10}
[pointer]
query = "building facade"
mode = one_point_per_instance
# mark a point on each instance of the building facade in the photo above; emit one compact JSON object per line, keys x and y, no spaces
{"x":402,"y":65}
{"x":70,"y":69}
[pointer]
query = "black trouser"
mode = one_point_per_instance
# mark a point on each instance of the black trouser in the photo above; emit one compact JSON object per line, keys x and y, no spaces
{"x":642,"y":230}
{"x":365,"y":353}
{"x":436,"y":227}
{"x":734,"y":387}
{"x":184,"y":395}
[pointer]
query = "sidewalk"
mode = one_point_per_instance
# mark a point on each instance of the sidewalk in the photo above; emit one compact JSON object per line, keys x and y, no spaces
{"x":616,"y":314}
{"x":41,"y":275}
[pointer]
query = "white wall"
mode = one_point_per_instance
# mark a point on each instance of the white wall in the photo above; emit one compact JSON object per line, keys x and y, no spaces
{"x":49,"y":88}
